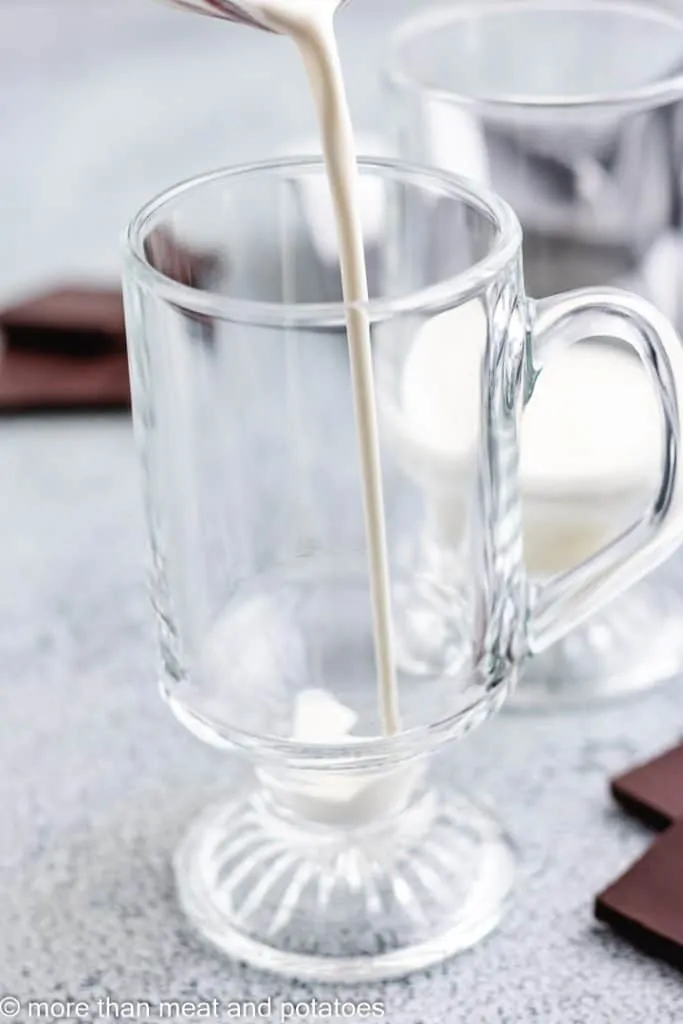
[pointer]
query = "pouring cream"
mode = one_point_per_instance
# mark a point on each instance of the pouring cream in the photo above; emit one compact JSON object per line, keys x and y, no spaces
{"x":310,"y":24}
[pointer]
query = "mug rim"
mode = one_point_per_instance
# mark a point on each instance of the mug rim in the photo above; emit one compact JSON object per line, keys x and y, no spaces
{"x":658,"y":93}
{"x":446,"y":293}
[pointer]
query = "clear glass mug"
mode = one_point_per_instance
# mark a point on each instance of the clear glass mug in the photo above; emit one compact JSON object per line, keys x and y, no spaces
{"x":546,"y":104}
{"x":346,"y":856}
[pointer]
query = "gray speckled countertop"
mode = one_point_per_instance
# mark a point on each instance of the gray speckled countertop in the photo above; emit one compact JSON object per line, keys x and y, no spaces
{"x":97,"y":781}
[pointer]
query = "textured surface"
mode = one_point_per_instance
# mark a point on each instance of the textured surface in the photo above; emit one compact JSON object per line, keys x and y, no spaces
{"x":96,"y":780}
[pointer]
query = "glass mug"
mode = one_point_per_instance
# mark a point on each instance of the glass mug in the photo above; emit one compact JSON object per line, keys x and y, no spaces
{"x":346,"y":856}
{"x":518,"y":96}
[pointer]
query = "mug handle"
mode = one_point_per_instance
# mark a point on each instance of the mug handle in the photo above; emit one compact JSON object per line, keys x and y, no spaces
{"x":560,"y":604}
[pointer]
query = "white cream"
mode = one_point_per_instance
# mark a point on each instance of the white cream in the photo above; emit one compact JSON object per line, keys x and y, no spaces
{"x":347,"y":799}
{"x":318,"y":211}
{"x":310,"y":24}
{"x":320,"y":718}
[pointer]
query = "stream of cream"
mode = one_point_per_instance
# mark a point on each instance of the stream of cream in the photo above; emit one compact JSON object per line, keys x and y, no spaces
{"x":310,"y":24}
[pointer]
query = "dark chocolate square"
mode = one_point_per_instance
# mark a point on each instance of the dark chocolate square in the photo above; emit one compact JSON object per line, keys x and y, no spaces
{"x":76,"y":321}
{"x":52,"y":382}
{"x":653,"y":792}
{"x":645,"y":905}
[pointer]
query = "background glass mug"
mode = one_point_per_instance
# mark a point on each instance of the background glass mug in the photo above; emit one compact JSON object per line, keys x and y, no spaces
{"x":346,"y":856}
{"x":589,"y":152}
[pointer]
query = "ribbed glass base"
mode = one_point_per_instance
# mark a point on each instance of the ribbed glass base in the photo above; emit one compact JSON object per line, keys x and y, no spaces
{"x":345,"y":904}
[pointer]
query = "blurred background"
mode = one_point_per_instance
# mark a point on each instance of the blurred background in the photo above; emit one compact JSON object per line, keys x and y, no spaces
{"x":106,"y":103}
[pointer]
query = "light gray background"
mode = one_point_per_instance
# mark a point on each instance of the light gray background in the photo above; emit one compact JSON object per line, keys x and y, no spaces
{"x":100,"y":106}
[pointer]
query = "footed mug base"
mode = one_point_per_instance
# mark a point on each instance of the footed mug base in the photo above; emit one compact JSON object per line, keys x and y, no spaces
{"x":344,"y":904}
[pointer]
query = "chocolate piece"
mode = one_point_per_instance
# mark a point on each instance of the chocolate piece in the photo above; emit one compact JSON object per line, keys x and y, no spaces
{"x":66,"y":348}
{"x":72,"y":321}
{"x":653,"y":792}
{"x":31,"y":381}
{"x":645,"y":905}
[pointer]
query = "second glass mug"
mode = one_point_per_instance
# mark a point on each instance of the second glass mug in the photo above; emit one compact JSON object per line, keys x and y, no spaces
{"x":347,"y":855}
{"x":518,"y":95}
